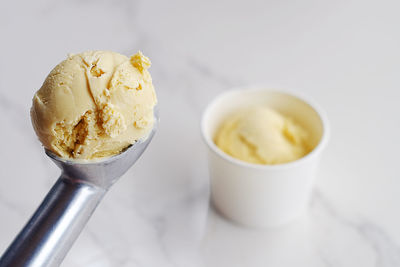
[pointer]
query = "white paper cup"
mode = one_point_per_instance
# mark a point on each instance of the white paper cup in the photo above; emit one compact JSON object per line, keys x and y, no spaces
{"x":262,"y":195}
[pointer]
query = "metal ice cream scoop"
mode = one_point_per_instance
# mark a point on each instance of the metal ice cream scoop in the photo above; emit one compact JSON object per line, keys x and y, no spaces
{"x":53,"y":228}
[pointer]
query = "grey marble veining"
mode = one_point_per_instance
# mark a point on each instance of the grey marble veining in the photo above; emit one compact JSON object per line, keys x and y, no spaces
{"x":344,"y":54}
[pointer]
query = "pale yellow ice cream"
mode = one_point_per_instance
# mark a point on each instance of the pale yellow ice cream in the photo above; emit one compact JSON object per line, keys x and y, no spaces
{"x":263,"y":136}
{"x":94,"y":104}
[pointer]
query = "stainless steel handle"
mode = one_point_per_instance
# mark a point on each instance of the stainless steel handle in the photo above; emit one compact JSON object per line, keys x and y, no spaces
{"x":53,"y":228}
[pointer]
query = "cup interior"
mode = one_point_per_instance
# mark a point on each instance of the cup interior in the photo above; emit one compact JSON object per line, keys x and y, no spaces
{"x":308,"y":115}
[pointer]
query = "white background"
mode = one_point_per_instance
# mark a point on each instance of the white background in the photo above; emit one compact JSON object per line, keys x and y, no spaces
{"x":343,"y":54}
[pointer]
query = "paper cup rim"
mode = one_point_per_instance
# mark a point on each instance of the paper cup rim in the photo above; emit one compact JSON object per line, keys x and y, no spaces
{"x":243,"y":90}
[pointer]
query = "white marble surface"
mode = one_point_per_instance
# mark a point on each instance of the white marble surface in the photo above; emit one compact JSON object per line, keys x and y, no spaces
{"x":345,"y":54}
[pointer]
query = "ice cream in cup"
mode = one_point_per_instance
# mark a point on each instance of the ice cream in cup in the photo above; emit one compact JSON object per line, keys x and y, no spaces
{"x":263,"y":151}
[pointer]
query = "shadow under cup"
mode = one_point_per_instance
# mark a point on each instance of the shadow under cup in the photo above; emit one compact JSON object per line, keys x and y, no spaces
{"x":262,"y":195}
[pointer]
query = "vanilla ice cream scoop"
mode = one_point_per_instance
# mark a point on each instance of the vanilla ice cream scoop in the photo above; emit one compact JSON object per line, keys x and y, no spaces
{"x":94,"y":104}
{"x":91,"y":105}
{"x":261,"y":135}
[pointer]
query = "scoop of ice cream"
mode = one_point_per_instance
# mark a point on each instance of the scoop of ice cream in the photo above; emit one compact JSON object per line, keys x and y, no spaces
{"x":94,"y":104}
{"x":263,"y":136}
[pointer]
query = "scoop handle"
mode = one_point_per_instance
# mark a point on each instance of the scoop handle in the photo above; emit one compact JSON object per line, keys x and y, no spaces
{"x":56,"y":224}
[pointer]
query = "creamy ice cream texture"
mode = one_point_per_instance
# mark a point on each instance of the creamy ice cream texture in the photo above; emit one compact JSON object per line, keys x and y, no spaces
{"x":261,"y":135}
{"x":94,"y":104}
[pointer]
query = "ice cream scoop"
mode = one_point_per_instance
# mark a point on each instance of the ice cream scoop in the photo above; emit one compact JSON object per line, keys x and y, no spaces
{"x":53,"y":228}
{"x":94,"y":130}
{"x":94,"y":104}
